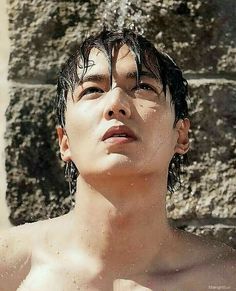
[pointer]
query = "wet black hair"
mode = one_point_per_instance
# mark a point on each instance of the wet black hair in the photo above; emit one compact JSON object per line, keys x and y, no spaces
{"x":157,"y":62}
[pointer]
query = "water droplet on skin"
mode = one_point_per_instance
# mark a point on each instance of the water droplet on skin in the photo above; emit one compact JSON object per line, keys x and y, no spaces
{"x":131,"y":267}
{"x":100,"y":277}
{"x":132,"y":184}
{"x":109,"y":174}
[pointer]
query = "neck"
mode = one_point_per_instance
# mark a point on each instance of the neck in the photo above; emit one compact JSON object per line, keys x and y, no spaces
{"x":121,"y":223}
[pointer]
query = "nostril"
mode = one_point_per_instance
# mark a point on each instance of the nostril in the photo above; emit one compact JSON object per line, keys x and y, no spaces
{"x":110,"y":113}
{"x":122,"y":111}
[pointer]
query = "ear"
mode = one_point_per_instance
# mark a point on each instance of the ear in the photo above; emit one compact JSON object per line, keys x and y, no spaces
{"x":64,"y":144}
{"x":182,"y":145}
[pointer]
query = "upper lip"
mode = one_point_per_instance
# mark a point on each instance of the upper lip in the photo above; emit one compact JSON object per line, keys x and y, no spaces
{"x":120,"y":129}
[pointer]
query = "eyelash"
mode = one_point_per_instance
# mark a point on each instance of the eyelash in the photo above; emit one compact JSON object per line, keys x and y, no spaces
{"x":142,"y":85}
{"x":94,"y":90}
{"x":88,"y":91}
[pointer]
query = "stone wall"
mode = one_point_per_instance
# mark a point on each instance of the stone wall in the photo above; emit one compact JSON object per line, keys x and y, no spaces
{"x":4,"y":99}
{"x":199,"y":35}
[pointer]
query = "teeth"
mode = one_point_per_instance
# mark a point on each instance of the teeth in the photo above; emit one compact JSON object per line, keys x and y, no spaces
{"x":120,"y":135}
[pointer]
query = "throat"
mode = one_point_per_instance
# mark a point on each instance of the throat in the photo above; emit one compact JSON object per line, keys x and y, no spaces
{"x":116,"y":227}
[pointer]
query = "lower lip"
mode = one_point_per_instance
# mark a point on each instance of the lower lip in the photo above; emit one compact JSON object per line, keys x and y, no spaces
{"x":119,"y":140}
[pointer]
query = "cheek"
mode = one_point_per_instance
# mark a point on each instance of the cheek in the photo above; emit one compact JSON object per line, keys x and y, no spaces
{"x":158,"y":119}
{"x":159,"y":131}
{"x":78,"y":126}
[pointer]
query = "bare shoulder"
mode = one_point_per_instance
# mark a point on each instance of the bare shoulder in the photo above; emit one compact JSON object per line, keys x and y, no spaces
{"x":219,"y":269}
{"x":19,"y":246}
{"x":19,"y":239}
{"x":15,"y":253}
{"x":212,"y":264}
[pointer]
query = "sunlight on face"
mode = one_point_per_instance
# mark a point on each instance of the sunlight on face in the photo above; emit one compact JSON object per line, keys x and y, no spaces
{"x":98,"y":105}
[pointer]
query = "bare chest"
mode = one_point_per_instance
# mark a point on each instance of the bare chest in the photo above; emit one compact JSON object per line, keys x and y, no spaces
{"x":71,"y":273}
{"x":50,"y":277}
{"x":70,"y":276}
{"x":67,"y":274}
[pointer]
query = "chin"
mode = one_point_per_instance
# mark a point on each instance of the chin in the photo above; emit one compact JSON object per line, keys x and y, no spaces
{"x":115,"y":165}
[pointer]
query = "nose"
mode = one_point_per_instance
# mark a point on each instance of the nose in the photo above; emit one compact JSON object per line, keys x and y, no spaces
{"x":117,"y":104}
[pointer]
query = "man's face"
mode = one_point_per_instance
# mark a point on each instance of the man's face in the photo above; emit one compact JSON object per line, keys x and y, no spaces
{"x":125,"y":128}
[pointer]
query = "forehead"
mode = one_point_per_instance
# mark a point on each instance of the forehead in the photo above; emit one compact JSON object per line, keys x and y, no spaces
{"x":122,"y":59}
{"x":122,"y":52}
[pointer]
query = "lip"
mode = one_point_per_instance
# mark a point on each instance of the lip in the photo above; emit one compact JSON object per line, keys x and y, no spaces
{"x":120,"y":129}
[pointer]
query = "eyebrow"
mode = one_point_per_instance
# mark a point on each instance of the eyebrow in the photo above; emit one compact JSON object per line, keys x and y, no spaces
{"x":133,"y":75}
{"x":94,"y":78}
{"x":102,"y":77}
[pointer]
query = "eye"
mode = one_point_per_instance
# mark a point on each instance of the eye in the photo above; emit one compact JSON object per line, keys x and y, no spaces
{"x":91,"y":91}
{"x":146,"y":91}
{"x":144,"y":87}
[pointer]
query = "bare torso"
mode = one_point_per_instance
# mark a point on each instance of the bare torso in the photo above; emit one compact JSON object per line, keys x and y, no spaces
{"x":40,"y":256}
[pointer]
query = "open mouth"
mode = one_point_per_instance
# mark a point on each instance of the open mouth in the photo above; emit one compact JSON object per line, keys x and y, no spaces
{"x":119,"y":134}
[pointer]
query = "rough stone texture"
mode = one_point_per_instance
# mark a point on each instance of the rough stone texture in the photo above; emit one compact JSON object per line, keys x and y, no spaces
{"x":209,"y":184}
{"x":4,"y":99}
{"x":49,"y":30}
{"x":36,"y":184}
{"x":200,"y":35}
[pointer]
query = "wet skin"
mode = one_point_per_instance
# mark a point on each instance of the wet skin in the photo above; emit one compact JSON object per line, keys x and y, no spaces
{"x":142,"y":107}
{"x":118,"y":236}
{"x":44,"y":262}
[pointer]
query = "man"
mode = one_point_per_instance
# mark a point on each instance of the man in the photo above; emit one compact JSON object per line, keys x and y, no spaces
{"x":122,"y":112}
